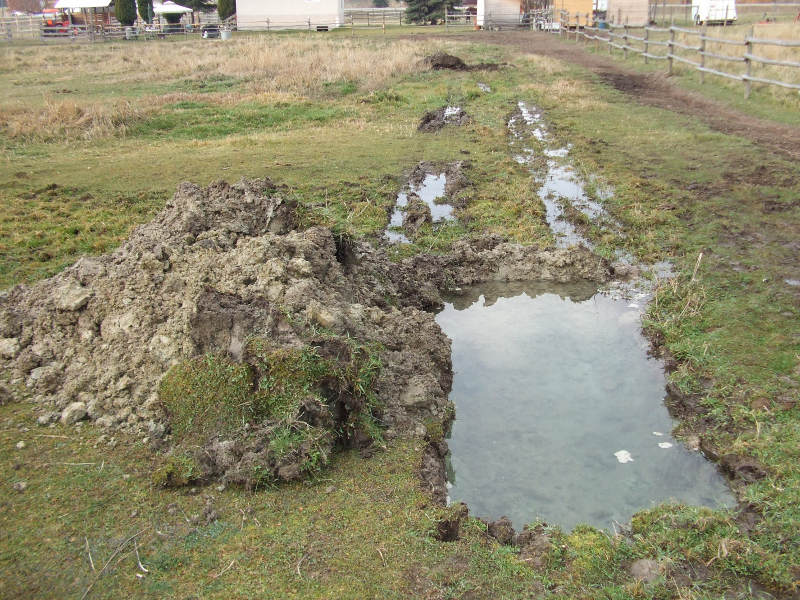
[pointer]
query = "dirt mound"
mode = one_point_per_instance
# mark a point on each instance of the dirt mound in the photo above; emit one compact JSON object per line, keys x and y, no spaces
{"x":442,"y":60}
{"x":447,"y":115}
{"x":260,"y":346}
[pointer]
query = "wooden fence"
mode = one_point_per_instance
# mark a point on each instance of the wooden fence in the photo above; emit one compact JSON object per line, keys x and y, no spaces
{"x":30,"y":27}
{"x":693,"y":48}
{"x":671,"y":13}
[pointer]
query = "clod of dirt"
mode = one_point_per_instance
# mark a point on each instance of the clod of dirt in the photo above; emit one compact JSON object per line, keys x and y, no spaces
{"x":534,"y":545}
{"x":502,"y":530}
{"x":436,"y":120}
{"x":645,"y":570}
{"x":448,"y":528}
{"x":743,"y":468}
{"x":5,"y":394}
{"x":416,"y":214}
{"x":686,"y":574}
{"x":74,"y":412}
{"x":748,"y":518}
{"x":432,"y":472}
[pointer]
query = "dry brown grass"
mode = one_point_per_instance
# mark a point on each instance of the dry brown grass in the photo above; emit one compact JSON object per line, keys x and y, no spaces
{"x":768,"y":31}
{"x":264,"y":68}
{"x":296,"y":64}
{"x":67,"y":119}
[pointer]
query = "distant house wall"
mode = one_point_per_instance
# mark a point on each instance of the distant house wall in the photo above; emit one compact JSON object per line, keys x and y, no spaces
{"x":498,"y":12}
{"x":573,"y":7}
{"x":289,"y":14}
{"x":630,"y":12}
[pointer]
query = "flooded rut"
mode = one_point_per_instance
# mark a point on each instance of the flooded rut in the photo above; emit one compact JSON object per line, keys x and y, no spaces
{"x":559,"y":409}
{"x":561,"y":187}
{"x":432,"y":191}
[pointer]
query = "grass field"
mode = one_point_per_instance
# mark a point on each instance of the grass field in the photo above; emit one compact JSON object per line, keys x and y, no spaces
{"x":92,"y":150}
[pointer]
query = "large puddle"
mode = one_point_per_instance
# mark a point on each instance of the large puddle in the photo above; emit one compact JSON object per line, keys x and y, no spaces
{"x":559,"y":410}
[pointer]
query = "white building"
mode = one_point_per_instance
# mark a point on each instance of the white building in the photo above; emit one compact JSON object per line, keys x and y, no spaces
{"x":498,"y":13}
{"x":289,"y":14}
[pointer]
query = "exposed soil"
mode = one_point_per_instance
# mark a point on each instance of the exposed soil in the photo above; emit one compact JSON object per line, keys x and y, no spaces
{"x":653,"y":89}
{"x":442,"y":60}
{"x":442,"y":117}
{"x":222,"y":265}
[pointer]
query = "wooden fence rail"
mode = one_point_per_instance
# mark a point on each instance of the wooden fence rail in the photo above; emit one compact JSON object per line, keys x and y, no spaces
{"x":695,"y":55}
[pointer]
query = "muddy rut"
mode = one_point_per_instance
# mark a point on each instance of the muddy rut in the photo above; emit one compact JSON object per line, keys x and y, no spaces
{"x":653,"y":89}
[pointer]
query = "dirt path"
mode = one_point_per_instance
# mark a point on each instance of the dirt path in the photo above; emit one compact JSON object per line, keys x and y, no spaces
{"x":655,"y":89}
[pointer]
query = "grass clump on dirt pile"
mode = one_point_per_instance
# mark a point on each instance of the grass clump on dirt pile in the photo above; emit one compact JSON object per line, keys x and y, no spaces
{"x":294,"y":404}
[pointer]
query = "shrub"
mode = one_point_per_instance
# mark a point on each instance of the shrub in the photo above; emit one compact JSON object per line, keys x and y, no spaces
{"x":226,"y":8}
{"x":146,"y":10}
{"x":125,"y":11}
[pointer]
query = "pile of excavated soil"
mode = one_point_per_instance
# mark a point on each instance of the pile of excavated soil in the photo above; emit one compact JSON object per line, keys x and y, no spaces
{"x":441,"y":61}
{"x":435,"y":120}
{"x":222,"y":264}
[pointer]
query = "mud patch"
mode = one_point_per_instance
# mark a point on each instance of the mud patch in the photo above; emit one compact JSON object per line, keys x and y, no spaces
{"x":569,"y":208}
{"x":443,"y":61}
{"x":445,"y":116}
{"x":428,"y":197}
{"x":559,"y":409}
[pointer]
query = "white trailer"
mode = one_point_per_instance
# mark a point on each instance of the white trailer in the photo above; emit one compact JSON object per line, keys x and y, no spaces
{"x":289,"y":14}
{"x":714,"y":12}
{"x":499,"y":13}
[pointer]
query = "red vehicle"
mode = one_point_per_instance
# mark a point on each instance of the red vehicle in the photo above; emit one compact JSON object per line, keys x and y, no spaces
{"x":55,"y":22}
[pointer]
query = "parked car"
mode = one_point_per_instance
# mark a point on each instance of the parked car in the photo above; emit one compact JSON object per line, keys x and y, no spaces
{"x":209,"y":31}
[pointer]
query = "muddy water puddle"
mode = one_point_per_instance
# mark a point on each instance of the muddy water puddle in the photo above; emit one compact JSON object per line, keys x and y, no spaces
{"x":559,"y":410}
{"x":432,"y":191}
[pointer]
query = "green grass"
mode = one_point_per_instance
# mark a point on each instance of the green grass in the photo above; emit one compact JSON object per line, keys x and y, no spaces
{"x":199,"y":120}
{"x":362,"y":528}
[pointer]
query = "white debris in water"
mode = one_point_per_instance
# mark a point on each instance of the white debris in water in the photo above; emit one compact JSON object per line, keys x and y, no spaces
{"x":658,"y":433}
{"x":484,"y":88}
{"x":664,"y":445}
{"x":623,"y":456}
{"x":633,"y":305}
{"x":452,"y":111}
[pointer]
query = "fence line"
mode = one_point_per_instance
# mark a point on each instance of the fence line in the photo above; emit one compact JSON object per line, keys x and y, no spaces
{"x":622,"y":38}
{"x":667,"y":12}
{"x":31,"y":27}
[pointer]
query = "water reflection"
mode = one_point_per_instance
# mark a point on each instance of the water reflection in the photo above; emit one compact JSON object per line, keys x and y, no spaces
{"x":552,"y":383}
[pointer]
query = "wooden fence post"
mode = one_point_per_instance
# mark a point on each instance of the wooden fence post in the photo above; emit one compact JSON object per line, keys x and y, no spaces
{"x":748,"y":50}
{"x":577,"y":24}
{"x":703,"y":53}
{"x":625,"y":40}
{"x":646,"y":45}
{"x":670,"y":48}
{"x":309,"y":23}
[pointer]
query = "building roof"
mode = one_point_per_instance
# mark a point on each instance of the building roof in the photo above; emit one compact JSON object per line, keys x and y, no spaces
{"x":169,"y":8}
{"x":82,"y":3}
